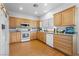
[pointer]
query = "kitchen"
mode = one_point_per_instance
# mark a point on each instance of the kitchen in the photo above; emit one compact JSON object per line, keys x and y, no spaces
{"x":56,"y":28}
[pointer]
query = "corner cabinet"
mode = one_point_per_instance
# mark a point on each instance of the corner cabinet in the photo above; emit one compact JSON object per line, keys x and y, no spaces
{"x":65,"y":18}
{"x":41,"y":36}
{"x":33,"y":35}
{"x":68,"y":16}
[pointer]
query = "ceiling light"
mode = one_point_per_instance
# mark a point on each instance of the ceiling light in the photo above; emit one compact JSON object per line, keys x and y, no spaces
{"x":35,"y":5}
{"x":45,"y":4}
{"x":36,"y":12}
{"x":21,"y":8}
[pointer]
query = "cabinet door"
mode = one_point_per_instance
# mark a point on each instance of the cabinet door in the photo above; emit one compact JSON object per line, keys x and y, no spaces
{"x":33,"y":35}
{"x":12,"y":22}
{"x":18,"y":22}
{"x":13,"y":37}
{"x":57,"y":19}
{"x":64,"y":43}
{"x":68,"y":16}
{"x":42,"y":36}
{"x":18,"y":38}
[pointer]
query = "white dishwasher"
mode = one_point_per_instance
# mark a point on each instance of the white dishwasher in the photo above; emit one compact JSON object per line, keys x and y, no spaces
{"x":49,"y":39}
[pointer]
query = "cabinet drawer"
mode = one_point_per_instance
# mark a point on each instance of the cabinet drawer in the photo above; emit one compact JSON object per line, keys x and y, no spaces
{"x":66,"y":41}
{"x":63,"y":48}
{"x":64,"y":44}
{"x":66,"y":37}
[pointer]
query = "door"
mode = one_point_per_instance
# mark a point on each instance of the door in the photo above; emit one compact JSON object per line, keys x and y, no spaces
{"x":33,"y":35}
{"x":49,"y":39}
{"x":12,"y":22}
{"x":25,"y":36}
{"x":13,"y":37}
{"x":68,"y":16}
{"x":58,"y":19}
{"x":3,"y":32}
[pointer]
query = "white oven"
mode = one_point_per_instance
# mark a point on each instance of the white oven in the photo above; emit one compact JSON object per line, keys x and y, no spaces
{"x":25,"y":36}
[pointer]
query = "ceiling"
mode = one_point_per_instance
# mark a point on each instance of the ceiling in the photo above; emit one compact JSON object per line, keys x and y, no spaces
{"x":28,"y":8}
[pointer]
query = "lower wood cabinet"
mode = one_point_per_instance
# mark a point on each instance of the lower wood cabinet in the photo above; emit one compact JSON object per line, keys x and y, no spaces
{"x":33,"y":35}
{"x":15,"y":37}
{"x":41,"y":36}
{"x":64,"y":43}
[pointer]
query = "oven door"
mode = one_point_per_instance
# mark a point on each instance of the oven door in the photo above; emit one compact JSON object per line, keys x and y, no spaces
{"x":25,"y":36}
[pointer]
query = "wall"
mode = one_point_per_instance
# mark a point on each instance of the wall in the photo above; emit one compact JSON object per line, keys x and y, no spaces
{"x":22,"y":15}
{"x":4,"y":35}
{"x":58,"y":9}
{"x":61,"y":8}
{"x":77,"y":22}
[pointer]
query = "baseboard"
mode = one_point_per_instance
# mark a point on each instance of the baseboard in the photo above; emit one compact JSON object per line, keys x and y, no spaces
{"x":22,"y":41}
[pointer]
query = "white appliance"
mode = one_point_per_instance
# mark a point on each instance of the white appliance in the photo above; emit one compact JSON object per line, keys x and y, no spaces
{"x":49,"y":39}
{"x":25,"y":36}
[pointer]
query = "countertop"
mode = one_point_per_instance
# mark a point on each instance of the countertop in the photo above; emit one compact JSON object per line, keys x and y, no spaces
{"x":19,"y":30}
{"x":65,"y":34}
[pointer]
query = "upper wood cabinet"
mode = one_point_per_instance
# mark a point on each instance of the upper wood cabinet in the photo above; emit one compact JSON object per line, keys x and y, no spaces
{"x":21,"y":21}
{"x":12,"y":22}
{"x":68,"y":16}
{"x":57,"y":19}
{"x":65,"y":18}
{"x":35,"y":23}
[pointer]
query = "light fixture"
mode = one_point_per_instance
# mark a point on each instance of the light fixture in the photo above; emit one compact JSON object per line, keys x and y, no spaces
{"x":20,"y":8}
{"x":36,"y":12}
{"x":35,"y":5}
{"x":45,"y":4}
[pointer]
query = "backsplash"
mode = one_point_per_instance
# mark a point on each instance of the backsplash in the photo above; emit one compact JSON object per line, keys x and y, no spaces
{"x":65,"y":30}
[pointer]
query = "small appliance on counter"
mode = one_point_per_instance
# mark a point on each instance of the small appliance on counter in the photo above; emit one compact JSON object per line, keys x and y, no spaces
{"x":70,"y":30}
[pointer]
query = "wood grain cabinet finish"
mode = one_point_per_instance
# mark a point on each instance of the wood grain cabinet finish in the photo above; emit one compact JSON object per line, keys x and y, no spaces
{"x":58,"y":19}
{"x":64,"y":43}
{"x":15,"y":37}
{"x":65,"y":18}
{"x":68,"y":16}
{"x":33,"y":35}
{"x":15,"y":22}
{"x":12,"y":22}
{"x":41,"y":36}
{"x":35,"y":23}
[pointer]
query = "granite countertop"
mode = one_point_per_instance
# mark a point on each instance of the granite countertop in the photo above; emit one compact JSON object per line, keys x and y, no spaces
{"x":19,"y":30}
{"x":64,"y":34}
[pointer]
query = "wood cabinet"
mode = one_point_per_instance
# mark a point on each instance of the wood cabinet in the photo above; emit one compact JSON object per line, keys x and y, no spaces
{"x":35,"y":23}
{"x":64,"y":43}
{"x":41,"y":36}
{"x":18,"y":34}
{"x":15,"y":22}
{"x":65,"y":18}
{"x":21,"y":21}
{"x":68,"y":16}
{"x":33,"y":35}
{"x":12,"y":22}
{"x":15,"y":37}
{"x":18,"y":22}
{"x":58,"y":19}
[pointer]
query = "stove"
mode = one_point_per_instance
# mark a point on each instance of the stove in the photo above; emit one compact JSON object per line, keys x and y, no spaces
{"x":25,"y":36}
